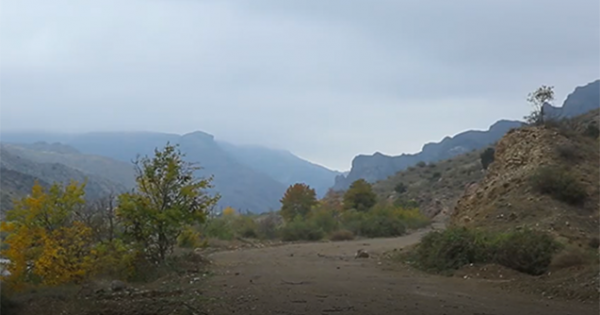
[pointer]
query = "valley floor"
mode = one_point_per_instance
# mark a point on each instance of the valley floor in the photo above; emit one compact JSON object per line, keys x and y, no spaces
{"x":325,"y":278}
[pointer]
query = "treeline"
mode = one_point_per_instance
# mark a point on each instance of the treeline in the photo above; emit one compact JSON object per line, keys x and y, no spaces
{"x":302,"y":217}
{"x":52,"y":237}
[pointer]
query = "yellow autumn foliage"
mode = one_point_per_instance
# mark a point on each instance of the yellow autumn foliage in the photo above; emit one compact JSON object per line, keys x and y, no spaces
{"x":229,"y":211}
{"x":44,"y":244}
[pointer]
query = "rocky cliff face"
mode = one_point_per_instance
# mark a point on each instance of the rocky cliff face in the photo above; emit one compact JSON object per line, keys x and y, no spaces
{"x":378,"y":166}
{"x":506,"y":198}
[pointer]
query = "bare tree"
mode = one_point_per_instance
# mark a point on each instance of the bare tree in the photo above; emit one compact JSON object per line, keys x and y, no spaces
{"x":543,"y":95}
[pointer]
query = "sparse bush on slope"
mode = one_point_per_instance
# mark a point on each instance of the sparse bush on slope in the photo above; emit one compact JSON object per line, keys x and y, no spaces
{"x":559,"y":183}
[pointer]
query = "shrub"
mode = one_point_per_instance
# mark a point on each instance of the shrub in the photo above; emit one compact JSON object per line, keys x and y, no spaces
{"x":560,"y":184}
{"x":341,"y":235}
{"x":323,"y":220}
{"x":432,"y":165}
{"x":381,"y":226}
{"x":421,"y":164}
{"x":244,"y":226}
{"x":217,"y":228}
{"x":189,"y":238}
{"x":452,"y":249}
{"x":400,"y":188}
{"x":436,"y":175}
{"x":594,"y":242}
{"x":592,"y":130}
{"x":526,"y":251}
{"x":568,"y":152}
{"x":487,"y":157}
{"x":267,"y":228}
{"x":299,"y":230}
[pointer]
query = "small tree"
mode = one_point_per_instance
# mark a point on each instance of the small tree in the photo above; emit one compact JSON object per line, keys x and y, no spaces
{"x":360,"y":196}
{"x":538,"y":99}
{"x":400,"y":188}
{"x":298,"y":200}
{"x":487,"y":157}
{"x":167,"y":199}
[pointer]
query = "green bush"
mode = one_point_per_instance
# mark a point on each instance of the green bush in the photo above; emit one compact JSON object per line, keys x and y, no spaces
{"x":526,"y":251}
{"x":323,"y":220}
{"x":592,"y":130}
{"x":217,"y":228}
{"x":560,"y":184}
{"x":487,"y":157}
{"x":383,"y":221}
{"x":266,"y":228}
{"x":300,"y":230}
{"x":188,"y":238}
{"x":452,"y":249}
{"x":244,"y":226}
{"x":421,"y":164}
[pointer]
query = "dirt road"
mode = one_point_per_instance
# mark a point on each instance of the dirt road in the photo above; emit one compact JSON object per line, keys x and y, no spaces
{"x":325,"y":278}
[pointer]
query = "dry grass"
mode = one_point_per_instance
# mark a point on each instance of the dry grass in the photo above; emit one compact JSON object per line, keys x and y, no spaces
{"x":341,"y":235}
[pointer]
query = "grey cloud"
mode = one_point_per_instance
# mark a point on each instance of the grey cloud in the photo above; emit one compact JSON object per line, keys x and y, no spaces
{"x":325,"y":79}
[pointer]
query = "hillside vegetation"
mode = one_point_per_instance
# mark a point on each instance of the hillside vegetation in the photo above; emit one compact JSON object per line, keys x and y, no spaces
{"x":18,"y":174}
{"x":433,"y":187}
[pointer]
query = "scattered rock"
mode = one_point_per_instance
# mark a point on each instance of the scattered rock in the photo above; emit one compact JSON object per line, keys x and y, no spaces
{"x":117,"y":285}
{"x":361,"y":253}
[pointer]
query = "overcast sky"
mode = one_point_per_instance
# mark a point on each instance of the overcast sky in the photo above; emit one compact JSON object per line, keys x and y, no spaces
{"x":326,"y":80}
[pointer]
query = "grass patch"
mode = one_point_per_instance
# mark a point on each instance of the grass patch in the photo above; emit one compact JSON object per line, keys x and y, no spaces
{"x":526,"y":251}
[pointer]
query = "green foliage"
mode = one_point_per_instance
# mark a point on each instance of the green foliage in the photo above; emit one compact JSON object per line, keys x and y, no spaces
{"x":167,"y":198}
{"x":297,"y":201}
{"x":436,"y":175}
{"x":219,"y":228}
{"x":421,"y":164}
{"x":487,"y":157}
{"x":301,"y":230}
{"x":452,"y":249}
{"x":526,"y":251}
{"x":559,"y":183}
{"x":400,"y":188}
{"x":324,"y":220}
{"x":266,"y":228}
{"x":360,"y":196}
{"x":189,"y":238}
{"x":383,"y":221}
{"x":592,"y":130}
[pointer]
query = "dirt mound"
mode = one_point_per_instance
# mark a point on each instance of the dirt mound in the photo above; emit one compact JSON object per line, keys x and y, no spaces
{"x":506,"y":199}
{"x":490,"y":272}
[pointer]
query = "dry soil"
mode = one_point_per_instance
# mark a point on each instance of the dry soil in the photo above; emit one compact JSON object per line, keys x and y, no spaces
{"x":326,"y":278}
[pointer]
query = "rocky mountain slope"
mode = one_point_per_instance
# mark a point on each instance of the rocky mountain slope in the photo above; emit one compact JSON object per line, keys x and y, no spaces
{"x":378,"y":166}
{"x":542,"y":177}
{"x":17,"y":175}
{"x":433,"y":187}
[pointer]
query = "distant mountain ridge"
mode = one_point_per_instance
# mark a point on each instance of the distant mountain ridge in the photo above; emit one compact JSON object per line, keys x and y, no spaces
{"x":378,"y":166}
{"x":247,"y":177}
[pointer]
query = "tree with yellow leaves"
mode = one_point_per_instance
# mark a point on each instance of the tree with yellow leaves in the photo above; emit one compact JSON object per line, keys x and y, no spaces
{"x":44,"y":242}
